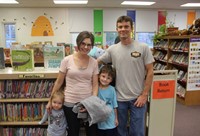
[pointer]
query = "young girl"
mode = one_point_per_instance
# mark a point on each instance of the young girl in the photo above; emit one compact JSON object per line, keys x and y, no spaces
{"x":56,"y":119}
{"x":107,"y":93}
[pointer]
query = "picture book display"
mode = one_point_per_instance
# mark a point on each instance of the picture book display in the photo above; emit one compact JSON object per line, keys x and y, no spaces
{"x":53,"y":56}
{"x":7,"y":54}
{"x":2,"y":58}
{"x":38,"y":52}
{"x":22,"y":60}
{"x":68,"y":48}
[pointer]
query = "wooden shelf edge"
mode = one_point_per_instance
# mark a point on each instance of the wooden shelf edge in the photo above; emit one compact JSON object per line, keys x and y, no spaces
{"x":20,"y":123}
{"x":25,"y":100}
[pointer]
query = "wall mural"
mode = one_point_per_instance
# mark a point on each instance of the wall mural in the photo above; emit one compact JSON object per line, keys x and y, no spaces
{"x":42,"y":27}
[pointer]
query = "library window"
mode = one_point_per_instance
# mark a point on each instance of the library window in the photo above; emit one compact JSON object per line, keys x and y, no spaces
{"x":10,"y":34}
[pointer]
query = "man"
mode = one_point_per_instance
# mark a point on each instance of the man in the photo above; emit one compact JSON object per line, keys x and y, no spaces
{"x":133,"y":62}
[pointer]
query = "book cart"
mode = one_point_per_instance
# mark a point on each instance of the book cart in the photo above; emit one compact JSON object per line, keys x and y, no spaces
{"x":23,"y":98}
{"x":161,"y":105}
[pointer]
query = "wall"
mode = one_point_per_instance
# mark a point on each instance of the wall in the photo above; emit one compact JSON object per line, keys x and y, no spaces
{"x":24,"y":18}
{"x":65,"y":21}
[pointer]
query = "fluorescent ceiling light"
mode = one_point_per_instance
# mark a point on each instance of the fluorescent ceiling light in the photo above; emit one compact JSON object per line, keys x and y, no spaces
{"x":191,"y":5}
{"x":142,"y":3}
{"x":8,"y":2}
{"x":70,"y":1}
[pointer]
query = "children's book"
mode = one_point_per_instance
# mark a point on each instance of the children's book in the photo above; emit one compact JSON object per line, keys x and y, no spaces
{"x":22,"y":60}
{"x":2,"y":58}
{"x":53,"y":56}
{"x":68,"y":48}
{"x":7,"y":54}
{"x":38,"y":52}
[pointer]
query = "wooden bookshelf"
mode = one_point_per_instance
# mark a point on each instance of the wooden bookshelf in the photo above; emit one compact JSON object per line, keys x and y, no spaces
{"x":177,"y":54}
{"x":10,"y":105}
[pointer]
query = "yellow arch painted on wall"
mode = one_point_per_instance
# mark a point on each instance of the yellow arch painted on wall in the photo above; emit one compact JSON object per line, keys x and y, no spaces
{"x":42,"y":27}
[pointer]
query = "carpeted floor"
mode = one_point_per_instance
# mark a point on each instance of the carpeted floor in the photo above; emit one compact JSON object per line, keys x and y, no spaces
{"x":187,"y":120}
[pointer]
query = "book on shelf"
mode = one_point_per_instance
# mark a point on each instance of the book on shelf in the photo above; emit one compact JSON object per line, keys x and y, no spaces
{"x":7,"y":54}
{"x":53,"y":56}
{"x":68,"y":48}
{"x":38,"y":51}
{"x":22,"y":60}
{"x":2,"y":58}
{"x":48,"y":43}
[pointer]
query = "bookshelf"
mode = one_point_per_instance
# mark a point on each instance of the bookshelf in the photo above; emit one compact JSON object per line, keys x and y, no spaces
{"x":181,"y":53}
{"x":23,"y":98}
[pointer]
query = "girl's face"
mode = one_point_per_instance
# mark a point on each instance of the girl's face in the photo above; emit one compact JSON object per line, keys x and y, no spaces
{"x":105,"y":79}
{"x":85,"y":46}
{"x":57,"y":103}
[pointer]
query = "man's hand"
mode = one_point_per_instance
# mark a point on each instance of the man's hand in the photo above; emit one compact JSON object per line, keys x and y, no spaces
{"x":141,"y":100}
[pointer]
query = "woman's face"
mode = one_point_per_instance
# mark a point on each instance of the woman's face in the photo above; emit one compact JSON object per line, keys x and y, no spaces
{"x":85,"y":46}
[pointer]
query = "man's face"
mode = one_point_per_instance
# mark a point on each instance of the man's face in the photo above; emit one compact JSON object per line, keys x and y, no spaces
{"x":124,"y":30}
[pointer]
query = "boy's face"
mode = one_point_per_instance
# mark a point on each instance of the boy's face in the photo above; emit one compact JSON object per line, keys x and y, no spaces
{"x":57,"y":103}
{"x":105,"y":79}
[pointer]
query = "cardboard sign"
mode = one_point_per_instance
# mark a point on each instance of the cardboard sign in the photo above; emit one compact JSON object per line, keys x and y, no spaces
{"x":163,"y":89}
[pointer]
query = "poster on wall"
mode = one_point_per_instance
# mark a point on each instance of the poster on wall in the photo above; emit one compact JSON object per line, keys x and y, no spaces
{"x":194,"y":65}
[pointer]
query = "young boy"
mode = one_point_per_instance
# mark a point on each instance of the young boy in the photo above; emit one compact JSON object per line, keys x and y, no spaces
{"x":57,"y":123}
{"x":107,"y":93}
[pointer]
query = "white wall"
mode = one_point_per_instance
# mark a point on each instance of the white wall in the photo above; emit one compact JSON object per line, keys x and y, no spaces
{"x":79,"y":19}
{"x":146,"y":20}
{"x":179,"y":17}
{"x":110,"y":17}
{"x":198,"y":14}
{"x":23,"y":17}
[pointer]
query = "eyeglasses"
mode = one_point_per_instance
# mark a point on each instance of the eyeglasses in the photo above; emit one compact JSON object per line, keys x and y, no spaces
{"x":86,"y":44}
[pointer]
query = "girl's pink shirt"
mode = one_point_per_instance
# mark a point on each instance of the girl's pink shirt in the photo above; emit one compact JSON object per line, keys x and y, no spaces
{"x":78,"y":81}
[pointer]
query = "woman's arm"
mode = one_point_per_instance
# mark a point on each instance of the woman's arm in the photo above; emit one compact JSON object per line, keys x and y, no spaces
{"x":95,"y":85}
{"x":58,"y":83}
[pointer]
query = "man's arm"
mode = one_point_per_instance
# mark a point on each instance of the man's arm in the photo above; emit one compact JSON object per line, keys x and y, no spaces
{"x":149,"y":79}
{"x":142,"y":99}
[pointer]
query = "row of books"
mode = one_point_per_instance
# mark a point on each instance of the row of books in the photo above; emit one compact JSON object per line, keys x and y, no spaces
{"x":179,"y":45}
{"x":182,"y":76}
{"x":174,"y":45}
{"x":22,"y":111}
{"x":180,"y":90}
{"x":162,"y":44}
{"x":179,"y":58}
{"x":16,"y":131}
{"x":159,"y":66}
{"x":26,"y":88}
{"x":160,"y":55}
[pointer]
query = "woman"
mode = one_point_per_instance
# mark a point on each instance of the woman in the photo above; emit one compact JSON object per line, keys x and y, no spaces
{"x":80,"y":72}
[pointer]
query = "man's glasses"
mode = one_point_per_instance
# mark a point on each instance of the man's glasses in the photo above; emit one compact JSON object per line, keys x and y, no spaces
{"x":86,"y":44}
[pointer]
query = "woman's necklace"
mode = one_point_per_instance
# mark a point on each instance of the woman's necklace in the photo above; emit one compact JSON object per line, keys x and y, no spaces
{"x":81,"y":63}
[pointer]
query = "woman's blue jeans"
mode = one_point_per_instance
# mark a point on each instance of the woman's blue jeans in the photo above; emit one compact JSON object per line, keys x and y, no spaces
{"x":137,"y":119}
